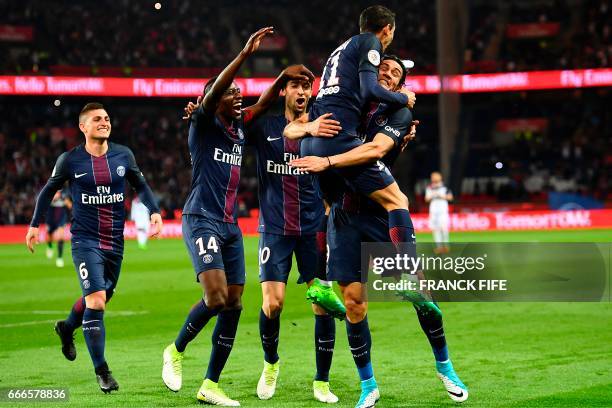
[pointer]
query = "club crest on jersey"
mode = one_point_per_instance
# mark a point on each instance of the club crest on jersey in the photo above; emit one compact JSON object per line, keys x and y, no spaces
{"x":208,"y":258}
{"x":382,"y":120}
{"x":121,"y":171}
{"x":86,"y":284}
{"x":374,"y":57}
{"x":240,"y":134}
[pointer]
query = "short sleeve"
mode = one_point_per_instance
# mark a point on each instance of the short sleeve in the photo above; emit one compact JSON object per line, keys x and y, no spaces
{"x":397,"y":125}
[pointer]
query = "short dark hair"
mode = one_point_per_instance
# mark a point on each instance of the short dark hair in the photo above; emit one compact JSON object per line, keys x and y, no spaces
{"x":89,"y":107}
{"x":401,"y":64}
{"x":375,"y":18}
{"x":209,"y":84}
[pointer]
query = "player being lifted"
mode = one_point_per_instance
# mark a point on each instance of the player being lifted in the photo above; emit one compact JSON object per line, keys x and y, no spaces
{"x":355,"y":219}
{"x":210,"y":230}
{"x":56,"y":220}
{"x":438,"y":196}
{"x":97,"y":171}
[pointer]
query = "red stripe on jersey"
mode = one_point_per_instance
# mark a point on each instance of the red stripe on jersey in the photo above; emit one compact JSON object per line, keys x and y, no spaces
{"x":291,"y":194}
{"x":230,"y":194}
{"x":102,"y":176}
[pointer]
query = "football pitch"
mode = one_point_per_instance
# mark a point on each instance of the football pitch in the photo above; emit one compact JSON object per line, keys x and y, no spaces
{"x":508,"y":354}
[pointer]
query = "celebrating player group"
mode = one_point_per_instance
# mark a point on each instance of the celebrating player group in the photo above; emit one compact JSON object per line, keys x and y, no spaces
{"x":325,"y":186}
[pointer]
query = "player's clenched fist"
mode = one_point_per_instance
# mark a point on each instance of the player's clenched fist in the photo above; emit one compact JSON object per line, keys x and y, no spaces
{"x":32,"y":238}
{"x":156,"y":224}
{"x":253,"y":43}
{"x":411,"y":97}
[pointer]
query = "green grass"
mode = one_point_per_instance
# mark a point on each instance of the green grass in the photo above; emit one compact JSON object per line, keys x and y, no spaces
{"x":509,"y":354}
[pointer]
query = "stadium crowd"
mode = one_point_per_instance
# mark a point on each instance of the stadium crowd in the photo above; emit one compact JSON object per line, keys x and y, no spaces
{"x":130,"y":34}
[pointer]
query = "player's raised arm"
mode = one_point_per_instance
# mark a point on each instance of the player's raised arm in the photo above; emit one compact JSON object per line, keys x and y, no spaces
{"x":323,"y":126}
{"x":136,"y":179}
{"x":60,"y":174}
{"x":269,"y":96}
{"x":225,"y":78}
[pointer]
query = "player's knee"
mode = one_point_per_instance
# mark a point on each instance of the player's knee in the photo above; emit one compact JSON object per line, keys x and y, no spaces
{"x":272,"y":308}
{"x":355,"y":309}
{"x":217,"y":300}
{"x":96,"y":300}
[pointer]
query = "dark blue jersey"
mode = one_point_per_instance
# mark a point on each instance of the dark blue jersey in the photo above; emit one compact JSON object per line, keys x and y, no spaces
{"x":349,"y":81}
{"x":379,"y":119}
{"x":97,"y":188}
{"x":289,"y":200}
{"x":216,"y":157}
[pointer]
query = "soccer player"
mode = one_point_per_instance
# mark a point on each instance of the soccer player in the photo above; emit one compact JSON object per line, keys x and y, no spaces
{"x":291,"y":222}
{"x":97,"y":171}
{"x":355,"y":219}
{"x":140,"y":215}
{"x":210,"y":230}
{"x":438,"y":196}
{"x":291,"y":219}
{"x":56,"y":220}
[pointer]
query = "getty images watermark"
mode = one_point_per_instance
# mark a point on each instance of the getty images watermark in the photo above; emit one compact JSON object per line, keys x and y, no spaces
{"x":488,"y":272}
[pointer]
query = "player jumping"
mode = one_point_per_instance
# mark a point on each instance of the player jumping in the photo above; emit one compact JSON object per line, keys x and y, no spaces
{"x":355,"y":219}
{"x":210,"y":230}
{"x":97,"y":171}
{"x":438,"y":196}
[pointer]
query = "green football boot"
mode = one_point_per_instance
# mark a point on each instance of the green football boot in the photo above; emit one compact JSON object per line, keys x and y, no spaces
{"x":324,"y":296}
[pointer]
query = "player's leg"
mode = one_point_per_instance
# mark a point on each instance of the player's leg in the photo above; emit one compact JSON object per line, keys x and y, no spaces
{"x":360,"y":340}
{"x":226,"y":327}
{"x":309,"y":258}
{"x":434,"y":330}
{"x":344,"y":266}
{"x":50,"y":230}
{"x":320,"y":292}
{"x":275,"y":255}
{"x":59,"y":238}
{"x":444,"y":227}
{"x":200,"y":239}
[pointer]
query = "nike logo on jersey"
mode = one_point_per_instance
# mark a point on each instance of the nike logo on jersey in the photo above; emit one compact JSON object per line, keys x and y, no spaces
{"x":76,"y":175}
{"x":270,"y":139}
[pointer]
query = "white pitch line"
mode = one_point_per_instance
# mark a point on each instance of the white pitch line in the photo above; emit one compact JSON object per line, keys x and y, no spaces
{"x":35,"y":322}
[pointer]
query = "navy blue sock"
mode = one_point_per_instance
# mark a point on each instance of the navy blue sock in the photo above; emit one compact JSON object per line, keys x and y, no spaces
{"x":360,"y":343}
{"x":75,"y":317}
{"x":269,"y":330}
{"x":321,"y":235}
{"x":95,"y":335}
{"x":325,"y":338}
{"x":60,"y":248}
{"x":222,"y":342}
{"x":197,"y":318}
{"x":401,"y":232}
{"x":434,"y":330}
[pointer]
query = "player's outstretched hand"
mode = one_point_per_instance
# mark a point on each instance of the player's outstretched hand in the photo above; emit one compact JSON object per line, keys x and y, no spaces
{"x":324,"y":127}
{"x":156,"y":223}
{"x":312,"y":164}
{"x":253,"y":43}
{"x":411,"y":135}
{"x":191,"y":107}
{"x":32,"y":238}
{"x":411,"y":97}
{"x":299,"y":72}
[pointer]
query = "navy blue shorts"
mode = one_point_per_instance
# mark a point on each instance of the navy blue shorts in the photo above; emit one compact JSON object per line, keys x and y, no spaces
{"x":345,"y":233}
{"x":215,"y":244}
{"x":97,"y":269}
{"x":276,"y":253}
{"x":363,"y":179}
